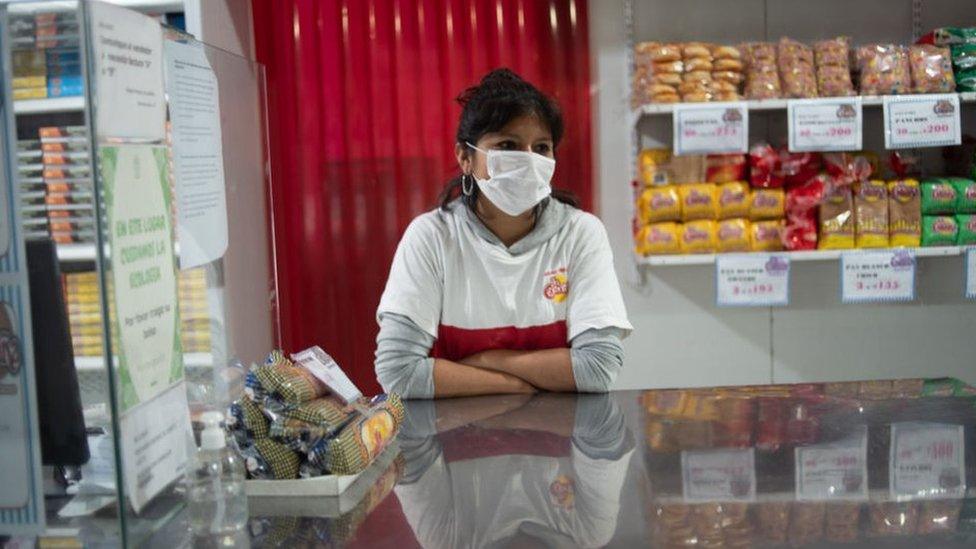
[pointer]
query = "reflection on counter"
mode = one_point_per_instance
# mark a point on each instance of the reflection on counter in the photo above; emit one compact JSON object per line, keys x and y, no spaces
{"x":539,"y":471}
{"x":838,"y":463}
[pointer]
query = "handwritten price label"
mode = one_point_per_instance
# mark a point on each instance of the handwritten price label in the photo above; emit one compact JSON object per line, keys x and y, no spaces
{"x":877,"y":277}
{"x":927,"y":461}
{"x":921,"y":121}
{"x":825,"y":124}
{"x":833,"y":471}
{"x":711,"y":128}
{"x":971,"y":273}
{"x":718,"y":475}
{"x":752,"y":280}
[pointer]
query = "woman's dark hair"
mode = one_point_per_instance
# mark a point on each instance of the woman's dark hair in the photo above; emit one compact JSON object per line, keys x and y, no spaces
{"x":500,"y":97}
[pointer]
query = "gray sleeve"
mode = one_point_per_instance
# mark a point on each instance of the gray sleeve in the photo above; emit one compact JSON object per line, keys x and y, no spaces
{"x":597,"y":356}
{"x":403,"y":364}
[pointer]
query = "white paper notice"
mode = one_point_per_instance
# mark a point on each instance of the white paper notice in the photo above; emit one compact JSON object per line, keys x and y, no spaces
{"x":752,"y":280}
{"x":833,"y":124}
{"x":837,"y":470}
{"x":711,"y":128}
{"x":326,"y":370}
{"x":877,"y":276}
{"x":927,"y":461}
{"x":718,"y":475}
{"x":198,"y":156}
{"x":971,"y":273}
{"x":128,"y":74}
{"x":913,"y":121}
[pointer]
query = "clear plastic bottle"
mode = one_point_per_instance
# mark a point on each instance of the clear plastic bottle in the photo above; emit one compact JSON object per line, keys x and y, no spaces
{"x":216,"y":502}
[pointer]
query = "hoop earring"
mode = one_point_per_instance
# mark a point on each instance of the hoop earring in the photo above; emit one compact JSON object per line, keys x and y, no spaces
{"x":467,"y":184}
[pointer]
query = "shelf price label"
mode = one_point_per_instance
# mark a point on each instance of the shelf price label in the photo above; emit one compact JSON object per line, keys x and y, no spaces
{"x":711,"y":128}
{"x":836,"y":470}
{"x":926,"y":460}
{"x":922,"y":121}
{"x":832,"y":124}
{"x":718,"y":475}
{"x":752,"y":280}
{"x":971,"y":273}
{"x":877,"y":276}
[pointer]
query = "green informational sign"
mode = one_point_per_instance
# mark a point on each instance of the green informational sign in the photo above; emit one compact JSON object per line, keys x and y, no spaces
{"x":143,"y":282}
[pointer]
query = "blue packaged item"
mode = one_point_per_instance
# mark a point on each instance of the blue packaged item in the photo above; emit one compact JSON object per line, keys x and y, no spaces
{"x":63,"y":56}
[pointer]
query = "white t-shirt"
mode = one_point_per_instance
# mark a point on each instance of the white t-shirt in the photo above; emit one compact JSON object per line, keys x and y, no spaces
{"x":473,"y":295}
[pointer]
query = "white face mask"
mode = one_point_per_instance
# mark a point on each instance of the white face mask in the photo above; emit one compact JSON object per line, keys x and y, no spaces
{"x":518,"y":180}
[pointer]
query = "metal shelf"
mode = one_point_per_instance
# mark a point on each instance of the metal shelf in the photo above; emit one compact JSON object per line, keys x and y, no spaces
{"x":54,"y":104}
{"x":191,"y":360}
{"x":773,"y":105}
{"x":813,"y":255}
{"x":72,"y":253}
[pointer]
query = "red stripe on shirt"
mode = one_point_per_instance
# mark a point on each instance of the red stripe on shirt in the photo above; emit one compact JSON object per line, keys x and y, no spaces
{"x":455,"y":343}
{"x":471,"y":442}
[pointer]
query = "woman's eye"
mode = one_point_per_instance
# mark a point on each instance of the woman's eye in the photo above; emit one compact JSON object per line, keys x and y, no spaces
{"x":543,"y":149}
{"x":506,"y":145}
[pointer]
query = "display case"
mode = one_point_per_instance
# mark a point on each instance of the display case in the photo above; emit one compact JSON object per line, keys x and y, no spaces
{"x":141,"y":192}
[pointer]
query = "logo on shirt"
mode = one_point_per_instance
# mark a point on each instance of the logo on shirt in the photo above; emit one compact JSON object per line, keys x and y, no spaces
{"x":562,"y":492}
{"x":557,"y":285}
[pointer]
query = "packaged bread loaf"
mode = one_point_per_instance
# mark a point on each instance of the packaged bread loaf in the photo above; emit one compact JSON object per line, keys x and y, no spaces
{"x":723,"y":168}
{"x":904,"y":213}
{"x":655,"y":166}
{"x":698,"y":201}
{"x":796,"y":69}
{"x":658,"y":239}
{"x":734,"y":200}
{"x":696,"y":83}
{"x":837,"y":219}
{"x":727,"y":72}
{"x":659,"y":204}
{"x":931,"y":69}
{"x":766,"y":236}
{"x":767,"y":204}
{"x":833,"y":67}
{"x":871,"y":215}
{"x":733,"y":235}
{"x":697,"y":237}
{"x":884,"y":68}
{"x":657,"y":73}
{"x":762,"y":75}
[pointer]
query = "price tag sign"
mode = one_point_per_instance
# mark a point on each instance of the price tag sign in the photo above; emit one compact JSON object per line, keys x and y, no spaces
{"x":825,"y":124}
{"x":711,"y":128}
{"x":927,"y":460}
{"x":718,"y":475}
{"x":971,"y":273}
{"x":752,"y":280}
{"x":913,"y":121}
{"x":877,"y":276}
{"x":833,"y":471}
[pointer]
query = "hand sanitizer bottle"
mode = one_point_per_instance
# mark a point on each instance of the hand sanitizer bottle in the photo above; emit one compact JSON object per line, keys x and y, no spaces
{"x":216,"y":503}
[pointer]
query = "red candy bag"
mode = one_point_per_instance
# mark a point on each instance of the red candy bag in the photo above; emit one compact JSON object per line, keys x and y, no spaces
{"x":801,"y":232}
{"x":798,"y":168}
{"x":764,"y":167}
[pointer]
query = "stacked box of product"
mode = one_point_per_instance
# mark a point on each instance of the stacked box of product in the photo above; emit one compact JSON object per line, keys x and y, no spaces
{"x":46,"y":56}
{"x":696,"y":204}
{"x":57,"y":197}
{"x":81,"y":296}
{"x":948,"y":205}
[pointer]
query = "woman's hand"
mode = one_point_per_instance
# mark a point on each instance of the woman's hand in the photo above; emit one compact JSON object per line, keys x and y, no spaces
{"x":547,"y":369}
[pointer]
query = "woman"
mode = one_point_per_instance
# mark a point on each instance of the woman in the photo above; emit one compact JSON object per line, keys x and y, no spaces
{"x":504,"y":288}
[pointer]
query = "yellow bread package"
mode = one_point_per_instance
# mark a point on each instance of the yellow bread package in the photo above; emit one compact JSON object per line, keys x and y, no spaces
{"x":733,"y":235}
{"x":699,"y":201}
{"x":766,"y":236}
{"x":698,"y":237}
{"x":733,"y":200}
{"x":871,"y":215}
{"x":904,"y":213}
{"x":655,"y":166}
{"x":657,"y":239}
{"x":837,"y":219}
{"x":767,"y":204}
{"x":659,"y":204}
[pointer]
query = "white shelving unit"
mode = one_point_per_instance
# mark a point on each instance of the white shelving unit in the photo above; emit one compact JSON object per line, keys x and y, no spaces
{"x":813,"y":255}
{"x":54,"y":104}
{"x":73,"y":253}
{"x":191,"y":360}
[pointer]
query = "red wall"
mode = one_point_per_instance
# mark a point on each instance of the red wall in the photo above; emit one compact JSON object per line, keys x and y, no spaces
{"x":362,"y":119}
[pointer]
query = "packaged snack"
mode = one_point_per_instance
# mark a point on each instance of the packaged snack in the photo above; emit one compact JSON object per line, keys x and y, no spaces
{"x":658,"y":239}
{"x":796,"y":73}
{"x":798,"y":168}
{"x":884,"y":69}
{"x":659,"y":204}
{"x":360,"y":441}
{"x":733,"y":235}
{"x":698,"y":201}
{"x":287,"y":384}
{"x":948,"y":36}
{"x":246,"y":423}
{"x":767,"y":204}
{"x":939,"y":230}
{"x":871,"y":214}
{"x":893,"y":519}
{"x":762,"y":75}
{"x":800,"y":231}
{"x":726,"y":52}
{"x":733,"y":200}
{"x":837,"y":219}
{"x":657,"y":73}
{"x":834,"y":52}
{"x":655,"y":166}
{"x":269,"y":460}
{"x":764,"y":166}
{"x":766,"y":236}
{"x":931,"y":68}
{"x":698,"y":237}
{"x":691,"y":50}
{"x":938,"y":197}
{"x":699,"y":64}
{"x":939,"y":517}
{"x":965,"y":194}
{"x":689,"y":168}
{"x":723,"y":168}
{"x":734,"y":65}
{"x":967,"y":229}
{"x":732,"y":77}
{"x":849,"y":168}
{"x":904,"y":213}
